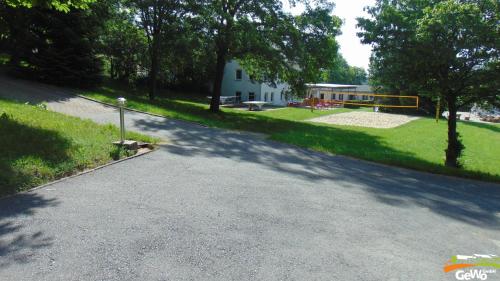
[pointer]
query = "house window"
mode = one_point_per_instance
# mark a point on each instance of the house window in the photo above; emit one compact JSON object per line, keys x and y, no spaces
{"x":341,"y":96}
{"x":272,"y":96}
{"x":239,"y":74}
{"x":352,"y":97}
{"x":238,"y":97}
{"x":322,"y":96}
{"x":251,"y":96}
{"x":365,"y":97}
{"x":265,"y":97}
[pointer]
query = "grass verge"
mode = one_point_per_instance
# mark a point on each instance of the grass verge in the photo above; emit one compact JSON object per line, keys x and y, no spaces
{"x":418,"y":145}
{"x":39,"y":146}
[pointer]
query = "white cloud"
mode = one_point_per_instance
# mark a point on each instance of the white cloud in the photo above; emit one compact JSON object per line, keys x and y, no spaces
{"x":351,"y":48}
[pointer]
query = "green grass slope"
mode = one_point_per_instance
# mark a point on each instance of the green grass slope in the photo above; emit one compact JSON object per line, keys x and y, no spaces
{"x":38,"y":146}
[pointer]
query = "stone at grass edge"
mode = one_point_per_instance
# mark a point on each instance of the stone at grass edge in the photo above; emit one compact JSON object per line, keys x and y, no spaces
{"x":128,"y":144}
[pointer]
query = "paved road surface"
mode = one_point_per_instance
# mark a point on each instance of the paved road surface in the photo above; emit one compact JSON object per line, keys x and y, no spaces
{"x":218,"y":205}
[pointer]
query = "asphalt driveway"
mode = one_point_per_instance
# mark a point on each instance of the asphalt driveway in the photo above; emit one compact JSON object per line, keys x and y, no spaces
{"x":221,"y":205}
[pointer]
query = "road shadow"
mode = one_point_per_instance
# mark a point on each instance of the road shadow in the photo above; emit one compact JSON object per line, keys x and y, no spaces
{"x":467,"y":201}
{"x":471,"y":202}
{"x":17,"y":243}
{"x":32,"y":92}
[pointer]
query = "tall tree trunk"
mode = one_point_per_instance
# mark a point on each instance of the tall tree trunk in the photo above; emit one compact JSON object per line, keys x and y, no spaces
{"x":219,"y":76}
{"x":153,"y":74}
{"x":112,"y":68}
{"x":454,"y":148}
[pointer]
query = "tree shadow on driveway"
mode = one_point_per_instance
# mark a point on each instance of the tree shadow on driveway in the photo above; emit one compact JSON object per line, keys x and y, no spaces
{"x":472,"y":202}
{"x":17,"y":243}
{"x":32,"y":92}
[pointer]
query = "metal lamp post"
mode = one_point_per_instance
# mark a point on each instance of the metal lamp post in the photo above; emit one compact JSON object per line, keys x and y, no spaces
{"x":121,"y":105}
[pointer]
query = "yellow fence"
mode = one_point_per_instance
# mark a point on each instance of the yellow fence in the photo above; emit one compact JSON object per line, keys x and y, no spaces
{"x":375,"y":96}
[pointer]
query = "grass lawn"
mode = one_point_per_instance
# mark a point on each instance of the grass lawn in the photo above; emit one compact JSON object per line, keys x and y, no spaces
{"x":38,"y":146}
{"x":419,"y":145}
{"x":196,"y":110}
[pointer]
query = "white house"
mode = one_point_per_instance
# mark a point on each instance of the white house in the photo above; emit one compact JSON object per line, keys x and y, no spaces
{"x":237,"y":83}
{"x":339,"y":92}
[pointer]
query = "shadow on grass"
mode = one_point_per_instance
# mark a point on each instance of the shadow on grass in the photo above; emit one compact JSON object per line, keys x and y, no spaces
{"x":17,"y":243}
{"x":29,"y":156}
{"x":466,"y":201}
{"x":492,"y":127}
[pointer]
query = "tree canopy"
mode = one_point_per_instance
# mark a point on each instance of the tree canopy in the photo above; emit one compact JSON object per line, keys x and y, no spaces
{"x":269,"y":42}
{"x":443,"y":49}
{"x":173,"y":42}
{"x":124,"y":44}
{"x":342,"y":73}
{"x":55,"y":46}
{"x":59,"y":5}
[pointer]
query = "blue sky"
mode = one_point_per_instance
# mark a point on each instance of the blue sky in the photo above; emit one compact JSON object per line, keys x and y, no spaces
{"x":351,"y":48}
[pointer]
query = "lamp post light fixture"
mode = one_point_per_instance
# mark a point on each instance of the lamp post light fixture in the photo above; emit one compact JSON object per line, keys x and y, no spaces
{"x":127,"y":144}
{"x":121,"y":105}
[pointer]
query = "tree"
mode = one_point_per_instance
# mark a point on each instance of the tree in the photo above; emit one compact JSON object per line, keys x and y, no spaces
{"x":124,"y":44}
{"x":190,"y":61}
{"x":56,"y":47}
{"x":160,"y":19}
{"x":343,"y":73}
{"x":267,"y":41}
{"x":59,"y":5}
{"x":14,"y":25}
{"x":448,"y":49}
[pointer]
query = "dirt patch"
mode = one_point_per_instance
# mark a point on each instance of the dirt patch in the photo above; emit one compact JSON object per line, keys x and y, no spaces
{"x":366,"y":119}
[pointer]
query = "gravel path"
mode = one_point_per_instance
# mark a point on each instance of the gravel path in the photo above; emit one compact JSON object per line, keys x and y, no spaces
{"x":366,"y":119}
{"x":219,"y":205}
